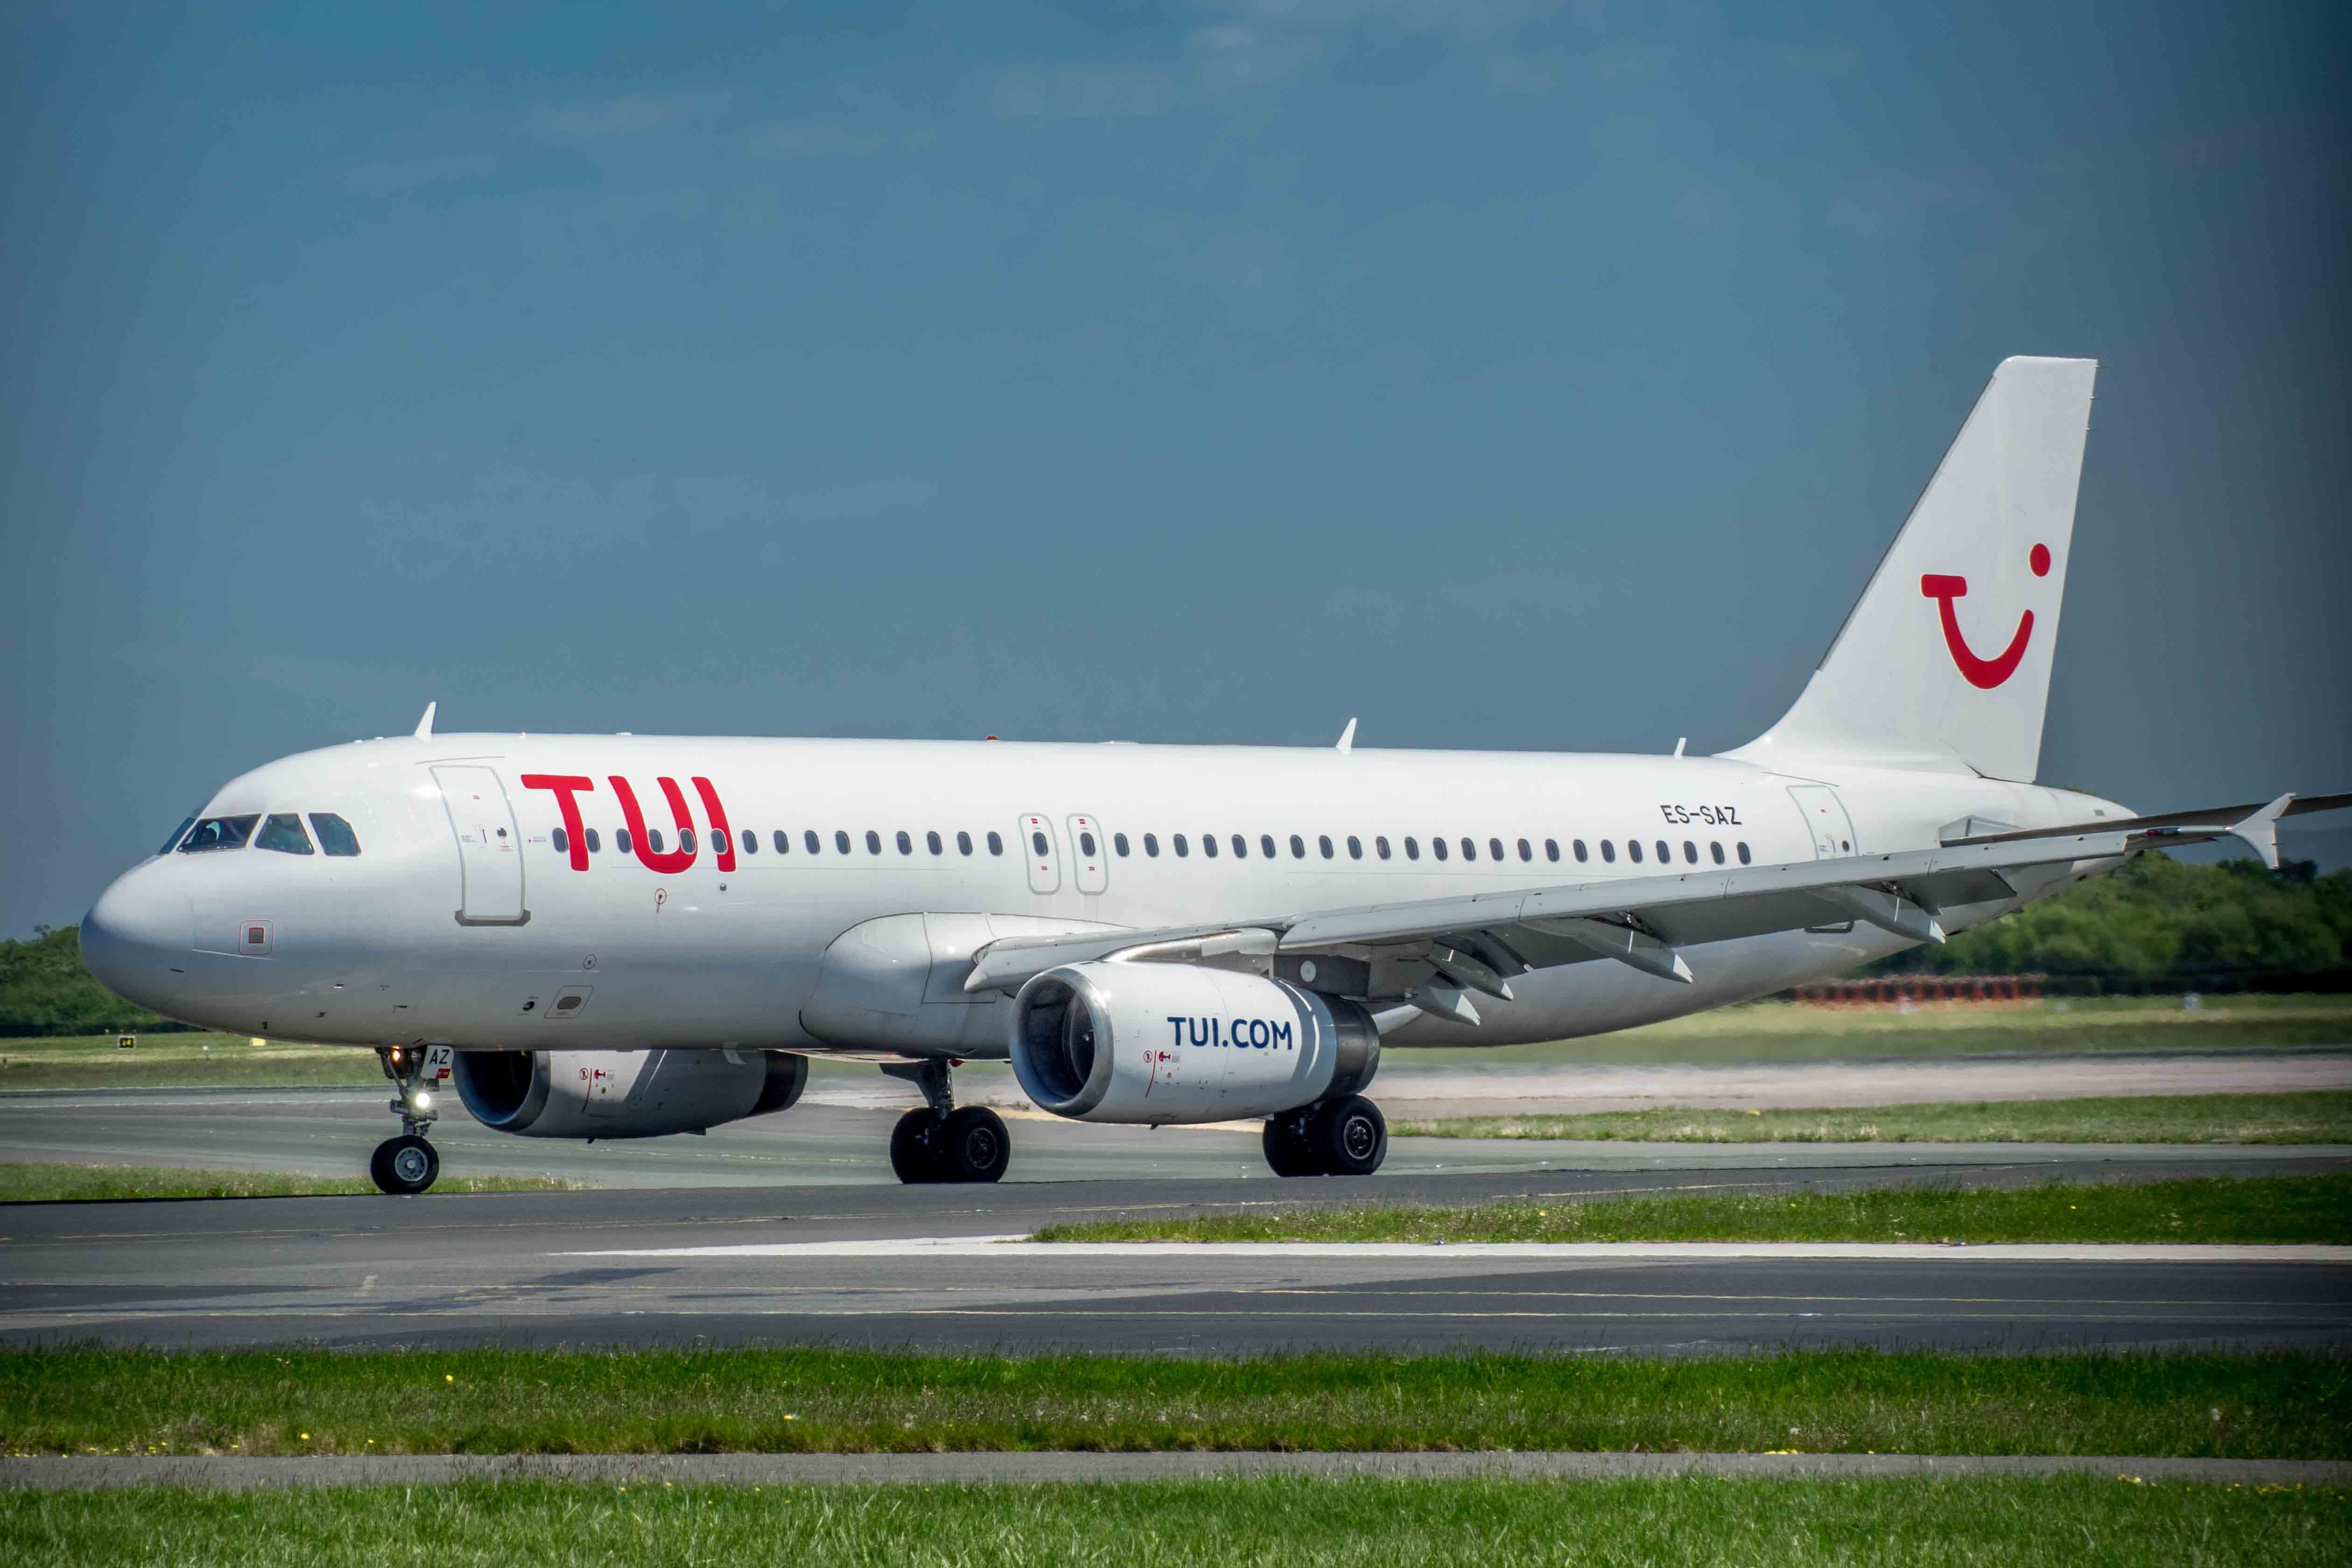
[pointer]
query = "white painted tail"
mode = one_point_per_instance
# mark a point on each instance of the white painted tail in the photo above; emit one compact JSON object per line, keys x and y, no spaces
{"x":1943,"y":661}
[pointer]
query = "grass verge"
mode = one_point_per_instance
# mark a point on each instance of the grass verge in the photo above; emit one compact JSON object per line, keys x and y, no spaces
{"x":38,"y":1182}
{"x":180,"y":1060}
{"x":2267,"y":1405}
{"x":1363,"y":1523}
{"x":2203,"y":1209}
{"x":2317,"y":1117}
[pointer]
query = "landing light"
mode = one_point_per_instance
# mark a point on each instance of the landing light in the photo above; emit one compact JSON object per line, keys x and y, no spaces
{"x":423,"y":1101}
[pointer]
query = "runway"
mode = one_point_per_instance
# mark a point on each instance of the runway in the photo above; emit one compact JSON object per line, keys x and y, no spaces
{"x":519,"y":1269}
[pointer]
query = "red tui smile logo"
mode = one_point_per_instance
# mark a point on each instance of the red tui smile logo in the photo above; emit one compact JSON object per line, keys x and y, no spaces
{"x":1982,"y":674}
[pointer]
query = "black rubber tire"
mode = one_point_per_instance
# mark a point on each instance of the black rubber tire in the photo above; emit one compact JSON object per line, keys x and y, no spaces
{"x":405,"y":1165}
{"x":917,"y":1150}
{"x":1350,"y":1137}
{"x":974,"y":1144}
{"x":1287,"y":1149}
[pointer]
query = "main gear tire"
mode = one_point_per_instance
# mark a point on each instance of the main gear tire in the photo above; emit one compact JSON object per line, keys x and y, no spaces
{"x":1349,"y":1135}
{"x":1287,"y":1149}
{"x":917,"y":1150}
{"x":405,"y":1165}
{"x":975,"y":1146}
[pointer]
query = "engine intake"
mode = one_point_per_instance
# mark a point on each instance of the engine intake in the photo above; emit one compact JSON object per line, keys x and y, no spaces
{"x":623,"y":1093}
{"x":1152,"y":1044}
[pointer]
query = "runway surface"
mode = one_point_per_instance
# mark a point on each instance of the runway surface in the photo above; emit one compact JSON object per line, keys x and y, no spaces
{"x":510,"y":1269}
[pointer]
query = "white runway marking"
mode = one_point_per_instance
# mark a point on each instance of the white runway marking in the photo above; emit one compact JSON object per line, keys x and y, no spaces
{"x":994,"y":1248}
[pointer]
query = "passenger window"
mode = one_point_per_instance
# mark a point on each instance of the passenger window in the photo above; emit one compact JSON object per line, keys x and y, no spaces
{"x":1118,"y":843}
{"x":1743,"y":851}
{"x":1665,"y":852}
{"x":328,"y":843}
{"x":684,"y":841}
{"x":621,"y":840}
{"x":1355,"y":848}
{"x":964,"y":842}
{"x":1495,"y":848}
{"x":1715,"y":847}
{"x":653,"y":840}
{"x":173,"y":841}
{"x":1437,"y":848}
{"x":931,"y":842}
{"x":995,"y":842}
{"x":1323,"y":842}
{"x":558,"y":836}
{"x":1037,"y":845}
{"x":1551,"y":851}
{"x":751,"y":842}
{"x":906,"y":843}
{"x":1634,"y":850}
{"x":1182,"y":848}
{"x":1241,"y":847}
{"x":1209,"y":845}
{"x":1528,"y":854}
{"x":219,"y":833}
{"x":336,"y":838}
{"x":873,"y":842}
{"x":1469,"y":849}
{"x":810,"y":842}
{"x":1152,"y":845}
{"x":1085,"y":844}
{"x":1411,"y":848}
{"x":282,"y":831}
{"x":1578,"y":847}
{"x":1380,"y":846}
{"x":783,"y":841}
{"x":840,"y":842}
{"x":1690,"y":852}
{"x":1297,"y":848}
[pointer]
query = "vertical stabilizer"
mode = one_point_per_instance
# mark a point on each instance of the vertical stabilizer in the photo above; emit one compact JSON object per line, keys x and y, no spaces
{"x":1943,"y":661}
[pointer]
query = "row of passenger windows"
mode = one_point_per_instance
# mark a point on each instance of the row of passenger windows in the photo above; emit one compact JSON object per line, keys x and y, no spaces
{"x":280,"y":830}
{"x":1182,"y":845}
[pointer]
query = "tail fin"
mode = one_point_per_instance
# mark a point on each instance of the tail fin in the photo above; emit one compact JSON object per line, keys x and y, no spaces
{"x":1944,"y":663}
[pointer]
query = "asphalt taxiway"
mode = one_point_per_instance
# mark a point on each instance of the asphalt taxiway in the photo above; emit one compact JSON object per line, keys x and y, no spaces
{"x":861,"y":1265}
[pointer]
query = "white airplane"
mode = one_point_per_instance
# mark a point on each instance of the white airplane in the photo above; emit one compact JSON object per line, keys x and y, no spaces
{"x":609,"y":936}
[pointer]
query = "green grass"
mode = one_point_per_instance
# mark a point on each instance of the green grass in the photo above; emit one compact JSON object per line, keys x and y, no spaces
{"x":2274,"y":1209}
{"x":31,"y":1182}
{"x":2317,"y":1117}
{"x":1361,"y":1522}
{"x":175,"y":1060}
{"x":305,"y":1401}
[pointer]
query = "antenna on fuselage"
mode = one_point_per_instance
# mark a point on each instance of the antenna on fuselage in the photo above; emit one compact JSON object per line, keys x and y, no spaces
{"x":1680,"y":742}
{"x":424,"y":725}
{"x":1348,"y":737}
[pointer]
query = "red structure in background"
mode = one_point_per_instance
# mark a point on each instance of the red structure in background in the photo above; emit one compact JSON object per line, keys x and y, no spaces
{"x":1890,"y":991}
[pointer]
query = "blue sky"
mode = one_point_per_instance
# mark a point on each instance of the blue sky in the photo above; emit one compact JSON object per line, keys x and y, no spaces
{"x":1510,"y":376}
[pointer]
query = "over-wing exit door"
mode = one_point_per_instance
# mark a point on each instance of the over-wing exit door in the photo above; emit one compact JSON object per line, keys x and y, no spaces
{"x":489,"y":850}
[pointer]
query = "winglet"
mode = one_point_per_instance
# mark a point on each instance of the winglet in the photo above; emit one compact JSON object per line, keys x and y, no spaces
{"x":1348,"y":737}
{"x":424,"y":725}
{"x":2260,"y":831}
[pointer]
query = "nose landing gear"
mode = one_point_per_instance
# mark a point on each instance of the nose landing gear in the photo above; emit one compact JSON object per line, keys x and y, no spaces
{"x":407,"y":1163}
{"x":942,"y":1142}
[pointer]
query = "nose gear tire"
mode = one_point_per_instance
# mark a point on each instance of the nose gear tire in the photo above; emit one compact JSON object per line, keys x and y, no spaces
{"x":405,"y":1165}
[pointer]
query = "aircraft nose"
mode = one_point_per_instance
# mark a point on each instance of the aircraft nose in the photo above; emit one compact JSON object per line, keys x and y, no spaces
{"x":135,"y":940}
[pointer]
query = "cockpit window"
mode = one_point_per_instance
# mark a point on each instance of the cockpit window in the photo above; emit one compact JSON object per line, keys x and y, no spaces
{"x":283,"y":832}
{"x":335,"y":835}
{"x":173,"y":841}
{"x":219,"y":833}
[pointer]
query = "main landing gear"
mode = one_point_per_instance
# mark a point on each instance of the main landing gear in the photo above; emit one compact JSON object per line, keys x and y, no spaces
{"x":943,"y":1141}
{"x":1343,"y":1136}
{"x":407,"y":1163}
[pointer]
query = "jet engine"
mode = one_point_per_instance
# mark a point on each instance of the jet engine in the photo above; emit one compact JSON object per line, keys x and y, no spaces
{"x":623,"y":1093}
{"x":1158,"y":1043}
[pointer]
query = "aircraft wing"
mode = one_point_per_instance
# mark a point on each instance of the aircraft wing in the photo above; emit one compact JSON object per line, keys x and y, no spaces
{"x":1477,"y":942}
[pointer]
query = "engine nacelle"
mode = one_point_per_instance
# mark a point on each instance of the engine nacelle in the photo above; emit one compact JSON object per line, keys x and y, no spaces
{"x":1157,"y":1043}
{"x":623,"y":1093}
